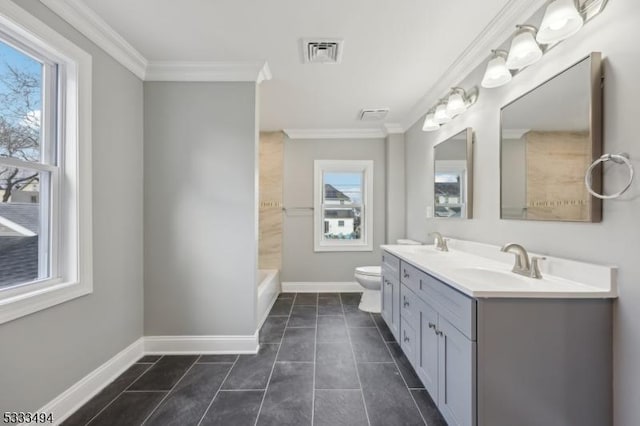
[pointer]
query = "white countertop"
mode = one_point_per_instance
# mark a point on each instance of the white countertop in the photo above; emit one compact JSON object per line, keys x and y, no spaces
{"x":482,"y":271}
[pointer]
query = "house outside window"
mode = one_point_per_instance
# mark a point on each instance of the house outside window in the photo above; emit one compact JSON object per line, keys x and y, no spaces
{"x":45,"y":160}
{"x":343,"y":197}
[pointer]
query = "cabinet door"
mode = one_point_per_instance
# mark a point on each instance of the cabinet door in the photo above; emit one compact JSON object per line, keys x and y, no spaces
{"x":427,"y":355}
{"x":390,"y":304}
{"x":408,"y":341}
{"x":456,"y":373}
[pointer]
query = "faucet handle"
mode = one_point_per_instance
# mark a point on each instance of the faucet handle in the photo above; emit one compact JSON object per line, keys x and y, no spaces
{"x":535,"y":266}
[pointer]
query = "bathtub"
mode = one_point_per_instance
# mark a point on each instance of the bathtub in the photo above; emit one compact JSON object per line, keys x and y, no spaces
{"x":268,"y":290}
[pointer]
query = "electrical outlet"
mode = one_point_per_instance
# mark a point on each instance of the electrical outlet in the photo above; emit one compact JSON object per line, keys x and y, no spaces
{"x":429,"y":212}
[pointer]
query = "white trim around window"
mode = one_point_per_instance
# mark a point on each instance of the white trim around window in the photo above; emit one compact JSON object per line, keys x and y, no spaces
{"x":365,"y":242}
{"x":72,"y":257}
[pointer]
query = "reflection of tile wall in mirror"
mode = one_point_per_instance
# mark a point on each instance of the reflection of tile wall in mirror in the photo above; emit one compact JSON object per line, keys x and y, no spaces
{"x":548,"y":144}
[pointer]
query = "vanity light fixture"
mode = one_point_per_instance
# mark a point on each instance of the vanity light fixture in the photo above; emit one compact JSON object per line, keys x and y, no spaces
{"x":430,"y":123}
{"x":457,"y":102}
{"x":561,"y":20}
{"x":441,"y":116}
{"x":525,"y":50}
{"x":497,"y":73}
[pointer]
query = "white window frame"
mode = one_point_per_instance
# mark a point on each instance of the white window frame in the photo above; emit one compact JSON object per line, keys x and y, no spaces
{"x":71,"y":213}
{"x":348,"y":166}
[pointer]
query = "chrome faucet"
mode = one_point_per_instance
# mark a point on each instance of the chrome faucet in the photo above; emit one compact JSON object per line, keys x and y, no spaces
{"x":522,"y":265}
{"x":441,"y":243}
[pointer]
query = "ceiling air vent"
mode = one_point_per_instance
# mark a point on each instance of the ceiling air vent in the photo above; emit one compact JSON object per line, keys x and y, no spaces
{"x":376,"y":114}
{"x":324,"y":51}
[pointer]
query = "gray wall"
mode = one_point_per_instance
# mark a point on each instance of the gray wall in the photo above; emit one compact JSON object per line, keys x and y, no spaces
{"x":201,"y":210}
{"x":395,"y":188}
{"x":614,"y":241}
{"x":46,"y":352}
{"x":299,"y":262}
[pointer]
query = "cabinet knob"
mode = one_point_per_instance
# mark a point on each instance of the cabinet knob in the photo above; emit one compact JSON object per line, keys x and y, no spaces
{"x":406,"y":304}
{"x":439,"y":333}
{"x":406,"y":339}
{"x":432,"y":325}
{"x":406,"y":275}
{"x":387,"y":282}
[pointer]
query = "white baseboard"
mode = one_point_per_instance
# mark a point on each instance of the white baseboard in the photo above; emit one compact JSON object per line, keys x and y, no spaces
{"x":265,"y":314}
{"x":86,"y":388}
{"x":321,"y":287}
{"x":172,"y":345}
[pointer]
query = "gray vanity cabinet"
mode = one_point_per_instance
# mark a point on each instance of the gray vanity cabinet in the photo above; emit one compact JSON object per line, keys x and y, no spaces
{"x":456,"y":375}
{"x":391,"y":293}
{"x":426,"y":364}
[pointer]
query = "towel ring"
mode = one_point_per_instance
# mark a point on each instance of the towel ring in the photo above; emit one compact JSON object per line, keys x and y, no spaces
{"x":621,"y":158}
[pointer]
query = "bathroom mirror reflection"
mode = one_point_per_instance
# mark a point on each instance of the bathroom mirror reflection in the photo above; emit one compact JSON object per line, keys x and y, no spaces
{"x":453,"y":174}
{"x":549,"y":137}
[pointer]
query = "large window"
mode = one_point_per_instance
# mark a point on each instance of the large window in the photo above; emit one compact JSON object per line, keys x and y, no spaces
{"x":343,"y":198}
{"x":45,"y":205}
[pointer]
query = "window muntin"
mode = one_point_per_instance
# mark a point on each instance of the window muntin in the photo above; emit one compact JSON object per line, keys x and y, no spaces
{"x":343,"y":196}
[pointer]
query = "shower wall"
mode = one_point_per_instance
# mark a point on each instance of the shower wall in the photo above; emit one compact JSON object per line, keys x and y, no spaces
{"x":271,"y":171}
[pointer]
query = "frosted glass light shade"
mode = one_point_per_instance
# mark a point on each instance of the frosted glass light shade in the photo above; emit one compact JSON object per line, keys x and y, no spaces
{"x":524,"y":50}
{"x":456,"y":104}
{"x":561,"y":20}
{"x":497,"y":73}
{"x":441,"y":116}
{"x":430,"y":123}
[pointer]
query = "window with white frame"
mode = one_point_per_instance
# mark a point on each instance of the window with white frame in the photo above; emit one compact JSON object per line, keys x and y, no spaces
{"x":343,"y":200}
{"x":45,"y":156}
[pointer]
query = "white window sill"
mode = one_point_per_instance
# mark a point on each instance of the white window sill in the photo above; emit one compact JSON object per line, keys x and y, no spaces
{"x":346,"y":247}
{"x":43,"y":295}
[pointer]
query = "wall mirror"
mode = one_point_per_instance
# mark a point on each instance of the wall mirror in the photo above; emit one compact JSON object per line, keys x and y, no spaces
{"x":549,"y":137}
{"x":453,"y":176}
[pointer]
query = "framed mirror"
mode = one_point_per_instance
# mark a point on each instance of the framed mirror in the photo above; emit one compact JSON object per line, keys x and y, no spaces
{"x":549,"y":137}
{"x":453,"y":176}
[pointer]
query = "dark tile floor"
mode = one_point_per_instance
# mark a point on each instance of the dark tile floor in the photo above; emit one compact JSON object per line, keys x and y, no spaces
{"x":321,"y":362}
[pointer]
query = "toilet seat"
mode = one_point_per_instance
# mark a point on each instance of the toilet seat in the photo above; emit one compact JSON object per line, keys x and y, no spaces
{"x":370,"y":271}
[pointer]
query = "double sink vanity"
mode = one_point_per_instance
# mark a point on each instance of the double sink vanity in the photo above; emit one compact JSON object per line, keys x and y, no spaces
{"x":496,"y":348}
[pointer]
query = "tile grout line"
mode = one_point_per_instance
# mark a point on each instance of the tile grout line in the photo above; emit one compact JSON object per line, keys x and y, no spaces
{"x":218,"y":391}
{"x":169,"y":392}
{"x":355,"y":361}
{"x":315,"y":351}
{"x":264,"y":396}
{"x":400,"y":372}
{"x":119,"y":394}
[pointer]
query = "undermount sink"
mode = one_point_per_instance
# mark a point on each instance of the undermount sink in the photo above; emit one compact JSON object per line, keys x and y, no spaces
{"x":495,"y":277}
{"x":421,"y":249}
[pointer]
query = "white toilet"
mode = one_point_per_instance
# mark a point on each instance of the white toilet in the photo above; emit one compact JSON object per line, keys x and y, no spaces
{"x":369,"y":277}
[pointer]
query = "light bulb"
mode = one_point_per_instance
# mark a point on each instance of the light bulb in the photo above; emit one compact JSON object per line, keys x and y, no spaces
{"x":497,"y":73}
{"x":561,"y":20}
{"x":456,"y":104}
{"x":524,"y":49}
{"x":441,"y":116}
{"x":430,"y":123}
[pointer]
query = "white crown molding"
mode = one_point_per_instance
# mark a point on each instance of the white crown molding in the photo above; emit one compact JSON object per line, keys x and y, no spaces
{"x":86,"y":388}
{"x":494,"y":34}
{"x":335,"y":133}
{"x":85,"y":20}
{"x":393,"y":128}
{"x":513,"y":133}
{"x":208,"y":71}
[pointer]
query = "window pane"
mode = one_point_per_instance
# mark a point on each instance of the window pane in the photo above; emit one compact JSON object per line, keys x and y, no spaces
{"x":343,"y":188}
{"x":24,"y":237}
{"x":21,"y":94}
{"x":342,"y":223}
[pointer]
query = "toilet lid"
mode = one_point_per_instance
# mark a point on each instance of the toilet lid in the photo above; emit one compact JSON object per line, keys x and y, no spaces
{"x":373,"y":271}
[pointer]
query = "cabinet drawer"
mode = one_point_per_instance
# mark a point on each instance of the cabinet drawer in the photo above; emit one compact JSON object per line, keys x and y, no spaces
{"x":410,"y":276}
{"x":391,"y":263}
{"x":457,"y":308}
{"x":408,"y":340}
{"x":409,"y":306}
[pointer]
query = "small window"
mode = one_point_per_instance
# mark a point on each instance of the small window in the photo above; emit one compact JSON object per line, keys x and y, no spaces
{"x":45,"y":166}
{"x":343,"y":196}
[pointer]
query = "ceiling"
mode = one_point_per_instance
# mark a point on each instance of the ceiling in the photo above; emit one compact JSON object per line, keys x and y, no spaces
{"x":394,"y":52}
